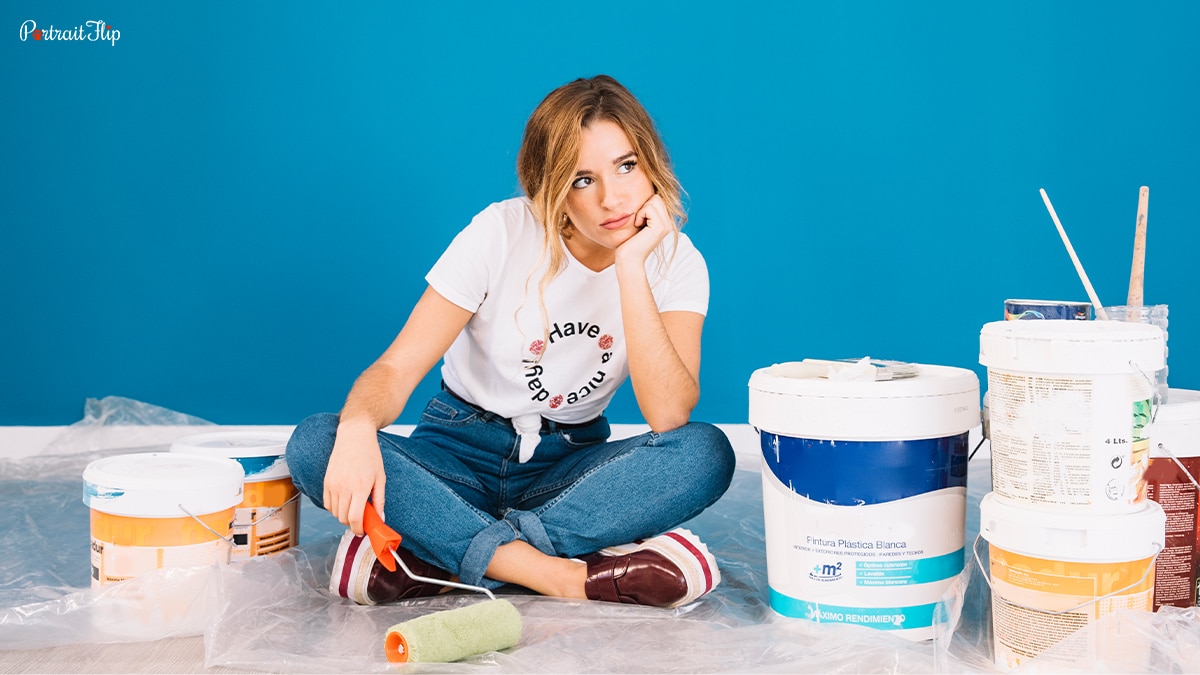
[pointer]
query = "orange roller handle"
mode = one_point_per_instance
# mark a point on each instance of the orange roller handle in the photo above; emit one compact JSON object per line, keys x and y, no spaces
{"x":383,"y":539}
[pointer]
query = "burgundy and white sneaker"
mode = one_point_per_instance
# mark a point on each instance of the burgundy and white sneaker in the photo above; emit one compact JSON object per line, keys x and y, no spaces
{"x":358,"y":574}
{"x":669,"y":570}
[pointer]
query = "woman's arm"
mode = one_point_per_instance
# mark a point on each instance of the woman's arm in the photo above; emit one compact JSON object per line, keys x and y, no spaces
{"x":663,"y":348}
{"x":355,"y":472}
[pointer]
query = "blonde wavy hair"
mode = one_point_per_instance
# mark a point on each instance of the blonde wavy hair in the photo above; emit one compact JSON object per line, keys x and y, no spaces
{"x":550,"y":151}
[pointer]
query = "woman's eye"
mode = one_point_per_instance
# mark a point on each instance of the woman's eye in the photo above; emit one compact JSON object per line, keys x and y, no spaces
{"x":581,"y":182}
{"x":626,"y":167}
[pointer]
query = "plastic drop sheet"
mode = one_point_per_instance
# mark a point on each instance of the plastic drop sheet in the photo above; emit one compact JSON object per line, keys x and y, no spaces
{"x":275,"y":613}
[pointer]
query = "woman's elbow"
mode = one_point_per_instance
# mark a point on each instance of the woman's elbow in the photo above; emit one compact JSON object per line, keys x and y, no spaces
{"x":670,"y":419}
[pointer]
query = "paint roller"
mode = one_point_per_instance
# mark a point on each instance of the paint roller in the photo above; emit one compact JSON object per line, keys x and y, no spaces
{"x":441,"y":637}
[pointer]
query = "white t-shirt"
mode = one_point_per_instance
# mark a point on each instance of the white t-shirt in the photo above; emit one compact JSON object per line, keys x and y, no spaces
{"x":566,"y":367}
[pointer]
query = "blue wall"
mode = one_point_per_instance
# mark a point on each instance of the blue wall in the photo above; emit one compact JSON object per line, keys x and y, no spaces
{"x":230,"y":212}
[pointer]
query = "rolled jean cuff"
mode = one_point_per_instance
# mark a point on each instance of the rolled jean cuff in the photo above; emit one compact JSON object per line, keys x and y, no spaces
{"x":516,"y":525}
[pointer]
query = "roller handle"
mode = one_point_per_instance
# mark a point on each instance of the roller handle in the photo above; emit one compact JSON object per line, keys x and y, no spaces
{"x":383,"y":539}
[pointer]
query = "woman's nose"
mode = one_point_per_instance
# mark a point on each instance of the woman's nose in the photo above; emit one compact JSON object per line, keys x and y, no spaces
{"x":610,"y":196}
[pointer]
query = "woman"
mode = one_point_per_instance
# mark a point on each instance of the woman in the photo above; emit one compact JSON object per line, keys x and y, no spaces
{"x":541,"y":308}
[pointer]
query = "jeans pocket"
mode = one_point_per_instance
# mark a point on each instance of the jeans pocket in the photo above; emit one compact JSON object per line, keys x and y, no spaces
{"x":448,"y":411}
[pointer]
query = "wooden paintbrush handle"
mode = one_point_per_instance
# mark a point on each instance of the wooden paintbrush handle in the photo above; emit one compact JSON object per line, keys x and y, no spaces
{"x":1138,"y":274}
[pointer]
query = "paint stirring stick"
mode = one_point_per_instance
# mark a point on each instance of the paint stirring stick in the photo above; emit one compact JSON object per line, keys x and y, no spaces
{"x":1137,"y":274}
{"x":1100,"y":313}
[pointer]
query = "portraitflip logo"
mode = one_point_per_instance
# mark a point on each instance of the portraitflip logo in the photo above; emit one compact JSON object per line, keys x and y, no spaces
{"x":90,"y":31}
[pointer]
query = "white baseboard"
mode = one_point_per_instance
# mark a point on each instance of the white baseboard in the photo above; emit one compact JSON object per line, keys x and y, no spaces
{"x":19,"y":442}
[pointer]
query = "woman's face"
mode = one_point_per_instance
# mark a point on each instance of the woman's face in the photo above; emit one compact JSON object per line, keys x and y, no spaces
{"x":608,"y":190}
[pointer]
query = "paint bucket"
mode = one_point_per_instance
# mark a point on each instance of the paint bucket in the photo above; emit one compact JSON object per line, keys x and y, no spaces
{"x":1046,"y":309}
{"x":1176,"y":436}
{"x":864,"y":493}
{"x":159,"y":510}
{"x":1069,"y":406}
{"x":1053,"y":573}
{"x":268,"y":519}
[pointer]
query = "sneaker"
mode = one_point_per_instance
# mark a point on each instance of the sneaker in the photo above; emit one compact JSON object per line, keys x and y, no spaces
{"x":358,"y":574}
{"x":669,"y":570}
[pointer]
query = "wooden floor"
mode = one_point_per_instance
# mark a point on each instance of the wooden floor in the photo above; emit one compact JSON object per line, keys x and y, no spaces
{"x":172,"y":655}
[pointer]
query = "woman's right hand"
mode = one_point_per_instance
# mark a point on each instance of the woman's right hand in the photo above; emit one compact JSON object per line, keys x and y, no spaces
{"x":355,"y":471}
{"x":354,"y":474}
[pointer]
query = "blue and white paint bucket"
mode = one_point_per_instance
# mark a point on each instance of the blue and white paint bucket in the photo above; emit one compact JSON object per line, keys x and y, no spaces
{"x":864,"y":493}
{"x":268,"y":519}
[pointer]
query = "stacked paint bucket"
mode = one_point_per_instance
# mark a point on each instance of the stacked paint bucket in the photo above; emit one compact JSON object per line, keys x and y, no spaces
{"x":1171,"y":481}
{"x":864,"y":490}
{"x":1072,"y":536}
{"x":268,"y":518}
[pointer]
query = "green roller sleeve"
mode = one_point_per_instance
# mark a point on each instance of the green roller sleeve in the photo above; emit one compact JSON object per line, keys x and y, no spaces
{"x":443,"y":637}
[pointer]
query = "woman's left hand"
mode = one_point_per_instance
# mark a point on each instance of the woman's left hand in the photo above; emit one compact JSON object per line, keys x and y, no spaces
{"x":654,"y":223}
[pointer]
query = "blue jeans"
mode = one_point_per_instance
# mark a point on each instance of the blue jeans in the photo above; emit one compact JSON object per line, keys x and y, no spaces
{"x":456,"y":492}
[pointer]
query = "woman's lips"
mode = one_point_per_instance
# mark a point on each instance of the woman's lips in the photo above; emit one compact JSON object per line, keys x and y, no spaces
{"x":616,"y":223}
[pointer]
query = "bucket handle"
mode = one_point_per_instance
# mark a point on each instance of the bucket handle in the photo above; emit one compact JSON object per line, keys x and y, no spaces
{"x":1155,"y":399}
{"x":203,"y":524}
{"x":1164,"y":448}
{"x":270,"y":513}
{"x":987,"y":577}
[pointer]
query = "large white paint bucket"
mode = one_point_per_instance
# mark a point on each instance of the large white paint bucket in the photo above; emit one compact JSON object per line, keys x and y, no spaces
{"x":1053,"y":573}
{"x":268,"y":519}
{"x":159,"y":510}
{"x":864,"y":493}
{"x":1069,"y":411}
{"x":1175,"y":441}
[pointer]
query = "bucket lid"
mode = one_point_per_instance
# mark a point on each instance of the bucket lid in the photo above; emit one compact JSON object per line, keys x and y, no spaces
{"x":1176,"y":429}
{"x":1072,"y":535}
{"x":158,"y":484}
{"x":1182,"y":405}
{"x":1078,"y":347}
{"x":1047,"y":303}
{"x":929,"y":381}
{"x":261,"y":453}
{"x":939,"y":401}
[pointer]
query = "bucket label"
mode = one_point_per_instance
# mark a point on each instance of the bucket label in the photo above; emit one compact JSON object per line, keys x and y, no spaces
{"x":112,"y":562}
{"x":1031,"y":596}
{"x":908,"y":572}
{"x":267,"y":521}
{"x":1070,"y":441}
{"x":863,"y":532}
{"x":855,"y":473}
{"x":883,"y":618}
{"x":128,"y":546}
{"x":1175,"y":572}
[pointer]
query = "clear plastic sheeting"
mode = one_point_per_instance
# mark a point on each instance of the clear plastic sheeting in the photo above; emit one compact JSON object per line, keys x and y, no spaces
{"x":275,"y":613}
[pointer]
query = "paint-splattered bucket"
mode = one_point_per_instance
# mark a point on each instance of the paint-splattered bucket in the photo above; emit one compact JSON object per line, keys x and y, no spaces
{"x":268,"y":519}
{"x":1069,"y":408}
{"x":159,"y":510}
{"x":864,"y":493}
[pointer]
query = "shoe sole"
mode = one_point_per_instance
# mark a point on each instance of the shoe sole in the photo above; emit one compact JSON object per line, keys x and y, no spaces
{"x":352,"y":569}
{"x":685,"y":550}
